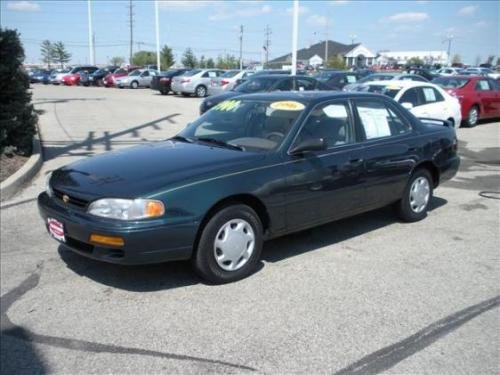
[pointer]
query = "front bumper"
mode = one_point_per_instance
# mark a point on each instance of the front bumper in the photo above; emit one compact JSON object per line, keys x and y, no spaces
{"x":145,"y":241}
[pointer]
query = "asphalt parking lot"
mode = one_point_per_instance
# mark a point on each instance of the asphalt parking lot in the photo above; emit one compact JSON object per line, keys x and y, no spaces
{"x":363,"y":295}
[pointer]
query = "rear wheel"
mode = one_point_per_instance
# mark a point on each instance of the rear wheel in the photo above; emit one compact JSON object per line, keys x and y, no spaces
{"x":163,"y":92}
{"x":472,"y":116}
{"x":414,"y":203}
{"x":201,"y":91}
{"x":230,"y":245}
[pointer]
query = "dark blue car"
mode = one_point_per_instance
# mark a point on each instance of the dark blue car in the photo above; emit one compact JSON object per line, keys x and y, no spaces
{"x":252,"y":168}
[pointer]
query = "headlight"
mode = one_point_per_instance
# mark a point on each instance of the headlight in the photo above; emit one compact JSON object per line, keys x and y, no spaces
{"x":48,"y":188}
{"x":127,"y":209}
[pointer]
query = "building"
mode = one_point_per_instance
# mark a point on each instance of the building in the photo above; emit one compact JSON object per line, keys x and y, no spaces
{"x":315,"y":55}
{"x":402,"y":57}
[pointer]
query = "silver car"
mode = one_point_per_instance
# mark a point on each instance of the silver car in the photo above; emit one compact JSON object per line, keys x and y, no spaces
{"x":56,"y":78}
{"x":228,"y":81}
{"x":196,"y":81}
{"x":136,"y":78}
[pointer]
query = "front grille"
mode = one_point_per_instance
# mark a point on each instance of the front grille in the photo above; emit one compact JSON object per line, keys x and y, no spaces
{"x":71,"y":199}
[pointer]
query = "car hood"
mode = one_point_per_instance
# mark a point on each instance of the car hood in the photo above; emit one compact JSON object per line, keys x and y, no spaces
{"x":144,"y":170}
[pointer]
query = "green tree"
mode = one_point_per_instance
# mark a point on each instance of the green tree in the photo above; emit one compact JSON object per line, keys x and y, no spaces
{"x":210,"y":63}
{"x":166,"y":57}
{"x":202,"y":63}
{"x":457,"y":59}
{"x":61,"y":56}
{"x":336,"y":62}
{"x":17,"y":116}
{"x":227,"y":62}
{"x":141,"y":58}
{"x":117,"y":61}
{"x":415,"y":61}
{"x":47,"y":52}
{"x":189,"y":59}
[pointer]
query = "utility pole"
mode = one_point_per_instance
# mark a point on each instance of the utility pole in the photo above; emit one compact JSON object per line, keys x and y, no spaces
{"x":91,"y":44}
{"x":157,"y":37}
{"x":326,"y":40}
{"x":241,"y":47}
{"x":295,"y":32}
{"x":131,"y":25}
{"x":353,"y":38}
{"x":449,"y":38}
{"x":267,"y":43}
{"x":93,"y":48}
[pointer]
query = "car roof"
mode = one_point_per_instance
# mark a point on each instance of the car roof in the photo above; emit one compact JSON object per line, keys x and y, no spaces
{"x":402,"y":83}
{"x":308,"y":97}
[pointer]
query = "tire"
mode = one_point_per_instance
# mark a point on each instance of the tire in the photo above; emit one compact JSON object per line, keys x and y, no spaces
{"x":472,"y":116}
{"x":163,"y":92}
{"x":134,"y":84}
{"x":414,"y":204}
{"x":246,"y":229}
{"x":201,"y":91}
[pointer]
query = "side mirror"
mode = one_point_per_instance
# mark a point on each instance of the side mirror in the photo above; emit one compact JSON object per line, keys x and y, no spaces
{"x":312,"y":144}
{"x":407,"y":105}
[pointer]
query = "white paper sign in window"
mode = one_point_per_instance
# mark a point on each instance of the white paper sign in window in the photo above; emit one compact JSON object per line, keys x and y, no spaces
{"x":429,"y":94}
{"x":212,"y":74}
{"x":351,"y":79}
{"x":374,"y":122}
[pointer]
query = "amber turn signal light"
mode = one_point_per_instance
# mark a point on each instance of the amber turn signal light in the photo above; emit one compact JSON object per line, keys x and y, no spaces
{"x":106,"y":240}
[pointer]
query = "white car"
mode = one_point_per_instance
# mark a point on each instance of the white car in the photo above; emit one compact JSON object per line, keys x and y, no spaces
{"x":482,"y":72}
{"x":228,"y":81}
{"x":136,"y":78}
{"x":423,"y":99}
{"x":448,"y":71}
{"x":195,"y":81}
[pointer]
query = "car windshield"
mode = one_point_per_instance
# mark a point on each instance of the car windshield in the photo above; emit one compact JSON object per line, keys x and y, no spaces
{"x":191,"y":73}
{"x":230,"y":74}
{"x":256,"y":84}
{"x":450,"y":82}
{"x":135,"y":73}
{"x":101,"y":71}
{"x":120,"y":70}
{"x":248,"y":125}
{"x":325,"y":75}
{"x":376,"y":77}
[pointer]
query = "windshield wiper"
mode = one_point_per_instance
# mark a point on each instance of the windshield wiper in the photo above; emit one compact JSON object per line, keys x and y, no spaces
{"x":182,"y":138}
{"x":220,"y":143}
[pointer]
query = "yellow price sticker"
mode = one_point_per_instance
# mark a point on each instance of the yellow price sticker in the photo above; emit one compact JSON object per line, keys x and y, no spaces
{"x":227,"y":106}
{"x":287,"y":105}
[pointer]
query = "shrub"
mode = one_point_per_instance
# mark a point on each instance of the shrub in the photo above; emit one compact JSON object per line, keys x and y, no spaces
{"x":17,"y":117}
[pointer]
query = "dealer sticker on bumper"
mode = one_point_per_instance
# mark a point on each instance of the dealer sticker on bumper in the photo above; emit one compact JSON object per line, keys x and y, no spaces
{"x":56,"y":229}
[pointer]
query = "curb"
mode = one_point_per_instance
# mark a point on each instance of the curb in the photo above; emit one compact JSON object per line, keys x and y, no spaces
{"x":13,"y":183}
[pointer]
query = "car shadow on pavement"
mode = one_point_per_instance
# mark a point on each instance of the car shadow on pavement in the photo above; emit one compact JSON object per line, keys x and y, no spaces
{"x":333,"y":233}
{"x":164,"y":276}
{"x":57,"y":101}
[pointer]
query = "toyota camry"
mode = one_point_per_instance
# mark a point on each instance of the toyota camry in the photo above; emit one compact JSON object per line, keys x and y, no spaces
{"x":252,"y":168}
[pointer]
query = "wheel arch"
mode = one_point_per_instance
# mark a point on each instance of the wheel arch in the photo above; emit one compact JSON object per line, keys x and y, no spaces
{"x":247,"y":199}
{"x":432,"y":168}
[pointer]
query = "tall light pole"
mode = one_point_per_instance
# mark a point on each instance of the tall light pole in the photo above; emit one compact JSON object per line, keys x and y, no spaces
{"x":295,"y":33}
{"x":157,"y":36}
{"x":91,"y":39}
{"x":449,"y":38}
{"x":241,"y":47}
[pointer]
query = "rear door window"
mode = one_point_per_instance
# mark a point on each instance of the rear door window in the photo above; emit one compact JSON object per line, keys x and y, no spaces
{"x":483,"y":85}
{"x":378,"y":120}
{"x":431,"y":95}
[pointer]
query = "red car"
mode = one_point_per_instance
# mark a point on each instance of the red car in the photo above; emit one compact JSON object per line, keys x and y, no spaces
{"x":479,"y":96}
{"x":73,"y":77}
{"x":110,"y":79}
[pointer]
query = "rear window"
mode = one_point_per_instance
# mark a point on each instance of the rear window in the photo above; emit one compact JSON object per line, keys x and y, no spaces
{"x":380,"y":89}
{"x":376,"y":77}
{"x":230,"y":74}
{"x":450,"y":82}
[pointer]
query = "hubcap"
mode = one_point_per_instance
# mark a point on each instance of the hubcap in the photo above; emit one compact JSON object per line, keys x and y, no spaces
{"x":419,"y":194}
{"x":473,"y":116}
{"x":234,"y":244}
{"x":201,"y":91}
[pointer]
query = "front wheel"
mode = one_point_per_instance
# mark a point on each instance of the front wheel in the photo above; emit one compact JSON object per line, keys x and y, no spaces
{"x":414,"y":203}
{"x":230,"y":245}
{"x":134,"y":85}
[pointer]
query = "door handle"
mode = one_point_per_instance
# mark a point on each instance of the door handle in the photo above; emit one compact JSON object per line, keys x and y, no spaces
{"x":355,"y":162}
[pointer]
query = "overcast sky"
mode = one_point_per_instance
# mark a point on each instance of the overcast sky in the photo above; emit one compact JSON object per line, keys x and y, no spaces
{"x":212,"y":27}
